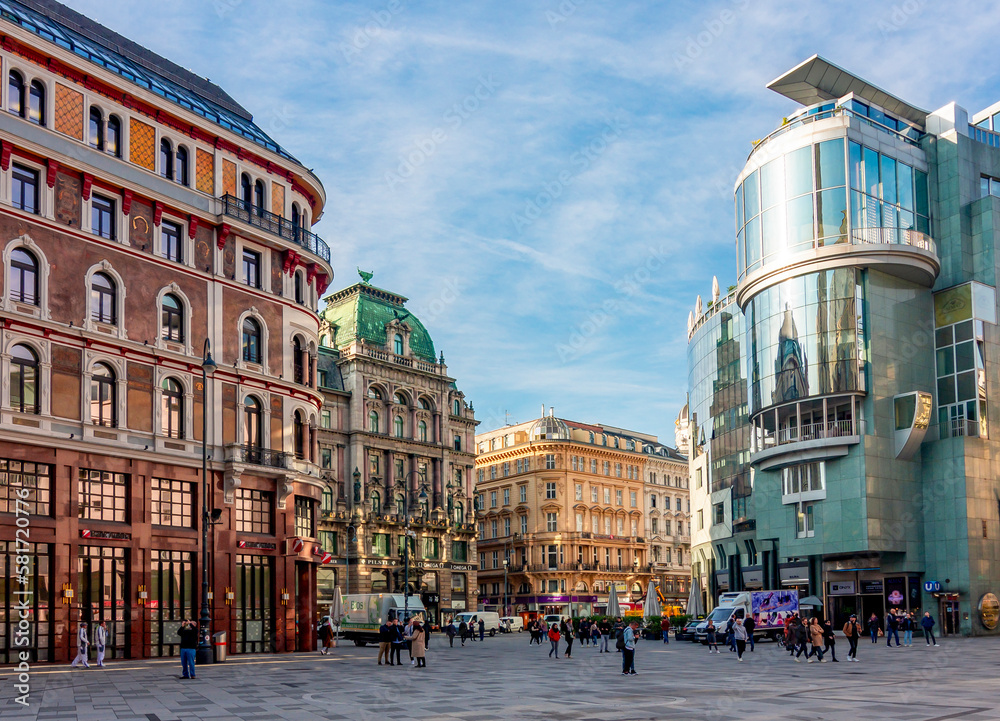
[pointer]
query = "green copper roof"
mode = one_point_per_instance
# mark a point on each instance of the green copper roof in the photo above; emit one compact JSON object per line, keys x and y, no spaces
{"x":362,"y":311}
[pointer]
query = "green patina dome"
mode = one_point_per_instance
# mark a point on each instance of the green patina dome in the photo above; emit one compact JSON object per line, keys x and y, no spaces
{"x":363,"y":311}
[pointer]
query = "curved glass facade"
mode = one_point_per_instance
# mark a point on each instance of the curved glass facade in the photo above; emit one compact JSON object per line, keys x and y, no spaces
{"x":832,"y":192}
{"x":805,"y":338}
{"x":718,"y":402}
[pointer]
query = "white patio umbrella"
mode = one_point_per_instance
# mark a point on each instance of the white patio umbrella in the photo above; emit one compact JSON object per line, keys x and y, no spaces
{"x":694,"y":607}
{"x":337,"y":609}
{"x":652,"y":606}
{"x":614,"y":610}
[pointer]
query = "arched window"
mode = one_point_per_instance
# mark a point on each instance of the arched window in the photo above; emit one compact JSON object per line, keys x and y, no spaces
{"x":400,"y":399}
{"x":182,"y":166}
{"x":24,"y":380}
{"x":172,"y":409}
{"x":252,"y":428}
{"x":401,"y":505}
{"x":422,"y":431}
{"x":251,"y":341}
{"x":297,"y":368}
{"x":374,"y":392}
{"x":258,"y":197}
{"x":103,"y":299}
{"x":36,"y":103}
{"x":425,"y":404}
{"x":15,"y":94}
{"x":96,"y":129}
{"x":397,"y":343}
{"x":113,"y":141}
{"x":166,"y":159}
{"x":376,"y":500}
{"x":326,"y":502}
{"x":296,"y":221}
{"x":456,"y":407}
{"x":103,"y":396}
{"x":23,"y":277}
{"x":300,"y":292}
{"x":459,"y":513}
{"x":246,"y":192}
{"x":172,"y":318}
{"x":300,"y":441}
{"x":373,"y":421}
{"x":398,"y":426}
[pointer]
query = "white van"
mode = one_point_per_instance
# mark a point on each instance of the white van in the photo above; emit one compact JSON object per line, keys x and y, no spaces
{"x":491,"y":620}
{"x":513,"y":623}
{"x":552,"y":618}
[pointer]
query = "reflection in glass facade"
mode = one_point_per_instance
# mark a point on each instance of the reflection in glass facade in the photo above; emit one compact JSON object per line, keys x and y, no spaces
{"x":718,"y":403}
{"x":804,"y":199}
{"x":804,"y":338}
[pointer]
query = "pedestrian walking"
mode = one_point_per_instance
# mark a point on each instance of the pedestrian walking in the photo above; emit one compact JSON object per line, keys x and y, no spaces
{"x":82,"y":645}
{"x":891,"y":628}
{"x":800,"y":636}
{"x":605,"y":626}
{"x":385,"y":637}
{"x":630,"y":636}
{"x":325,"y":633}
{"x":852,"y":629}
{"x":101,"y":640}
{"x":463,"y":631}
{"x":829,"y":641}
{"x":816,"y":638}
{"x":749,"y":624}
{"x":595,"y":634}
{"x":418,"y":644}
{"x":740,"y":638}
{"x":567,"y":632}
{"x":790,"y":635}
{"x":188,"y":633}
{"x":713,"y":641}
{"x":451,"y":632}
{"x":584,"y":632}
{"x":927,"y":622}
{"x":729,"y":634}
{"x":619,"y":631}
{"x":665,"y":628}
{"x":482,"y":629}
{"x":874,"y":628}
{"x":554,"y":640}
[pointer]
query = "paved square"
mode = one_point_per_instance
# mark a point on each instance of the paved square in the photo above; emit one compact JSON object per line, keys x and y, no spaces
{"x":504,"y":678}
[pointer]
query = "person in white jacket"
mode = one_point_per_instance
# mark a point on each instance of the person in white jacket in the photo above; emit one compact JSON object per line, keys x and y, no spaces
{"x":82,"y":644}
{"x":101,"y":639}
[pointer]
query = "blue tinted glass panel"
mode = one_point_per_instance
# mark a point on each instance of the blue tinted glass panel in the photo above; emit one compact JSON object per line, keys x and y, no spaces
{"x":798,"y":171}
{"x":888,"y":179}
{"x":855,"y":163}
{"x":871,"y":172}
{"x":773,"y":230}
{"x":753,"y":243}
{"x":904,"y":185}
{"x":772,"y":179}
{"x":739,"y":207}
{"x":800,"y":222}
{"x":751,"y":196}
{"x":920,"y":192}
{"x":830,"y":164}
{"x":831,"y":209}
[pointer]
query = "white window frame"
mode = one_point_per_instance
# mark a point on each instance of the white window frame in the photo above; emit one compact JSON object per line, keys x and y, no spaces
{"x":163,"y":344}
{"x":89,"y":324}
{"x":41,"y":310}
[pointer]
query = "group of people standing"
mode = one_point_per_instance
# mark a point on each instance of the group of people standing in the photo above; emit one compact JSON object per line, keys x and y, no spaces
{"x":465,"y":630}
{"x":738,"y":634}
{"x":394,"y":635}
{"x":596,"y":632}
{"x":896,"y":621}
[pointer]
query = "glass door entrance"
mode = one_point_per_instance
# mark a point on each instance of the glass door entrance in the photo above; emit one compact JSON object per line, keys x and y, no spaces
{"x":171,"y":599}
{"x":102,"y":590}
{"x":253,"y":608}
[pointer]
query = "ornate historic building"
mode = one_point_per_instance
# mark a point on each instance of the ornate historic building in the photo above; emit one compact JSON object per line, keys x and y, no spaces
{"x":143,"y":215}
{"x":668,"y":523}
{"x":396,"y":440}
{"x":562,"y":515}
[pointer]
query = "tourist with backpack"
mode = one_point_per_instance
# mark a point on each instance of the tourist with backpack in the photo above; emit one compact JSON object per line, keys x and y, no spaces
{"x":852,"y":629}
{"x":629,"y":638}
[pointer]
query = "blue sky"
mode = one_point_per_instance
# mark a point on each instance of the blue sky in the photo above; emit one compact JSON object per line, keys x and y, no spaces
{"x":549,"y":182}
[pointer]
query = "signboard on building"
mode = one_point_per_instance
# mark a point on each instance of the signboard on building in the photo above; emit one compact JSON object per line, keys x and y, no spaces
{"x":871,"y":586}
{"x":753,"y":578}
{"x":843,"y":588}
{"x":258,"y":545}
{"x":794,"y":575}
{"x":989,"y":611}
{"x":105,"y":535}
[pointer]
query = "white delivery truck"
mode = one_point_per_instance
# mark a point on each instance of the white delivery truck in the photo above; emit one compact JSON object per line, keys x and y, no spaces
{"x":769,"y":609}
{"x":491,"y":621}
{"x":366,"y":612}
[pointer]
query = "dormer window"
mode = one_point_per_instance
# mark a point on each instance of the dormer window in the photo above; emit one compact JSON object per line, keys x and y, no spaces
{"x":398,"y":344}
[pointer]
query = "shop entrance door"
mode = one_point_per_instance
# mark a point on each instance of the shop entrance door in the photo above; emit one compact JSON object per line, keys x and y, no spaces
{"x":102,"y":590}
{"x":841,"y":609}
{"x":870,"y":605}
{"x":253,"y":622}
{"x":171,"y":599}
{"x":949,"y":616}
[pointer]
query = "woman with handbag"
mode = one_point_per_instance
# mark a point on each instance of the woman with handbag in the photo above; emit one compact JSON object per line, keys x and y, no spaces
{"x":418,"y":643}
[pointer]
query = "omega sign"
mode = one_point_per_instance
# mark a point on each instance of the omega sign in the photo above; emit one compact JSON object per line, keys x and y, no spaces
{"x":989,"y":611}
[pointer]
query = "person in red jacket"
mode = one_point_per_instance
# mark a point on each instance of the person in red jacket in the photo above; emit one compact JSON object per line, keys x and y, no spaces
{"x":554,"y":640}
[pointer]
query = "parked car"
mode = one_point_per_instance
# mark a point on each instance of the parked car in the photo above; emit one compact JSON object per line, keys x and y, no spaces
{"x":687,"y":633}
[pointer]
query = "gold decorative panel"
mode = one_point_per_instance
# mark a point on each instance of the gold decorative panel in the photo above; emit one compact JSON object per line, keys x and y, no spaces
{"x":277,"y":198}
{"x":142,"y":144}
{"x":228,"y":177}
{"x":205,"y":172}
{"x":69,"y":111}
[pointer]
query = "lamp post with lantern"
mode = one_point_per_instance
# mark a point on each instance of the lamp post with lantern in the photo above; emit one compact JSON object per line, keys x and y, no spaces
{"x":204,"y":653}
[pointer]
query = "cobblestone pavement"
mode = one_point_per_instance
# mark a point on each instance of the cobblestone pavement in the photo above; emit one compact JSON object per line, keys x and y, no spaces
{"x":504,"y":678}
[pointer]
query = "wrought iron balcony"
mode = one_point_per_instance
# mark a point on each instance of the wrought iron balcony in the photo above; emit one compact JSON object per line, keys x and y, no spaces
{"x":276,"y":224}
{"x":256,"y":456}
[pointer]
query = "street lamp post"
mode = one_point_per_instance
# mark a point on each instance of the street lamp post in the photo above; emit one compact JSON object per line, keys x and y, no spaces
{"x":406,"y":559}
{"x":351,"y":528}
{"x":204,"y":653}
{"x":505,"y":564}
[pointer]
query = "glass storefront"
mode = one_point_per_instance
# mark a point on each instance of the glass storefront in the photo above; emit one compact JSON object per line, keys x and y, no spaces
{"x":102,"y":592}
{"x":39,"y":600}
{"x":171,"y":600}
{"x":253,"y":607}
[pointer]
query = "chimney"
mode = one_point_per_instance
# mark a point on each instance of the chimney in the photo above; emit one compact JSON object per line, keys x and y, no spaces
{"x":552,"y":412}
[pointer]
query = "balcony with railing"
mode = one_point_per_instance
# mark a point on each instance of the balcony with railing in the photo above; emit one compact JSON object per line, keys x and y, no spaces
{"x":804,"y":431}
{"x":257,"y":456}
{"x":282,"y":227}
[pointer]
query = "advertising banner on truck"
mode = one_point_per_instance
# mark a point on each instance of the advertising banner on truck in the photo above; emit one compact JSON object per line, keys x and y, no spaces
{"x":771,"y":608}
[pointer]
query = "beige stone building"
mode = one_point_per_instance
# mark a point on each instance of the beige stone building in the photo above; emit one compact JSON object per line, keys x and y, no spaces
{"x":668,"y":525}
{"x":562,"y":515}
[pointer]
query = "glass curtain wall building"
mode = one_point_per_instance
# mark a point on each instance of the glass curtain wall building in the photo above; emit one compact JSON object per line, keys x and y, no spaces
{"x":866,"y":231}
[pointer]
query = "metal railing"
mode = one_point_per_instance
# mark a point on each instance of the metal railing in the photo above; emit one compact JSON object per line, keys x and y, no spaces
{"x":764,"y":438}
{"x":276,"y":224}
{"x":256,"y":456}
{"x":983,"y":135}
{"x":893,"y":236}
